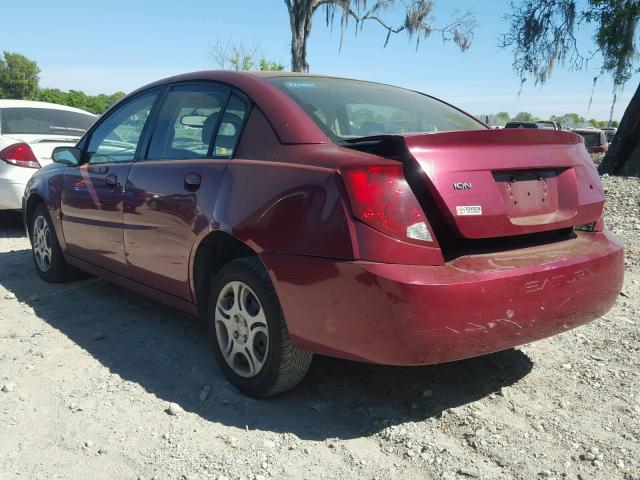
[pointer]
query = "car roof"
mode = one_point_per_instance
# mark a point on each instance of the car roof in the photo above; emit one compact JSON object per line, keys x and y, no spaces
{"x":4,"y":103}
{"x":587,"y":130}
{"x":290,"y":122}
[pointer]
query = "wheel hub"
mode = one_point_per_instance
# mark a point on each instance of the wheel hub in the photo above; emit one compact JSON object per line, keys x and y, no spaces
{"x":241,"y":331}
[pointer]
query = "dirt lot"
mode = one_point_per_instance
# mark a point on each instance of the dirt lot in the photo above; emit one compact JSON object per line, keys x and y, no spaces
{"x":100,"y":383}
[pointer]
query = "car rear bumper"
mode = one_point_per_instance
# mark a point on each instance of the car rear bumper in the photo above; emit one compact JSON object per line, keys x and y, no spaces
{"x":11,"y":194}
{"x":474,"y":305}
{"x":13,"y":181}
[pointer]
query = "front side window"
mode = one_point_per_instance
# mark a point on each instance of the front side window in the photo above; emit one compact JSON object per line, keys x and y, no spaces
{"x":44,"y":121}
{"x":349,"y":109}
{"x":116,"y":139}
{"x":187,"y":121}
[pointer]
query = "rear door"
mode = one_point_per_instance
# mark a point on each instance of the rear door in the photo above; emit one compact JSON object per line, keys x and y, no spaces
{"x":171,"y":193}
{"x":93,"y":193}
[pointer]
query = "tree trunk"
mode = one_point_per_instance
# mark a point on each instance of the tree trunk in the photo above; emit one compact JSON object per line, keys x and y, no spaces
{"x":623,"y":157}
{"x":300,"y":14}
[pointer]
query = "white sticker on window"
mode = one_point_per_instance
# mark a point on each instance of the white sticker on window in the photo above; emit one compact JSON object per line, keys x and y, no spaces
{"x":469,"y":210}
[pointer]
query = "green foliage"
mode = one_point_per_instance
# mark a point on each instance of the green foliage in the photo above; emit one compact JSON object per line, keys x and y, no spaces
{"x":270,"y":66}
{"x":237,"y":56}
{"x":616,"y":22}
{"x":92,"y":103}
{"x":542,"y":34}
{"x":525,"y":117}
{"x":416,"y":21}
{"x":19,"y":77}
{"x":495,"y":119}
{"x":568,"y":120}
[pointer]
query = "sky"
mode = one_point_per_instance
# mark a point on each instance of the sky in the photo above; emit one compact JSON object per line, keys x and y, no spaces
{"x":117,"y":45}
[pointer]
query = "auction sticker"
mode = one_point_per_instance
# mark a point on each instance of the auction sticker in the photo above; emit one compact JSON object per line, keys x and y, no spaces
{"x":469,"y":210}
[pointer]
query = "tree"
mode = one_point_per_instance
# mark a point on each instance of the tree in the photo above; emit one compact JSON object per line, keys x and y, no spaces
{"x":524,"y":117}
{"x":417,"y":23}
{"x":73,"y":98}
{"x":502,"y":118}
{"x":542,"y":35}
{"x":18,"y":77}
{"x":231,"y":56}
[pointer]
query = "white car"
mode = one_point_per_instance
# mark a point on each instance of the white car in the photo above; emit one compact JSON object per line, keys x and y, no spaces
{"x":29,"y":131}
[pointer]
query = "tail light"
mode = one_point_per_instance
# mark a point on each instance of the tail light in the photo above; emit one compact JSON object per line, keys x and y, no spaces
{"x":381,"y":197}
{"x":20,"y":155}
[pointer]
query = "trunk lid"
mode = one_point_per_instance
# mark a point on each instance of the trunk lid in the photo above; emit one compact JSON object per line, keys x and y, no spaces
{"x":497,"y":183}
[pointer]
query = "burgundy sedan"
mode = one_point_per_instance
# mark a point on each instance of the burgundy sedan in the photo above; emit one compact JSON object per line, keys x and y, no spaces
{"x":301,"y":214}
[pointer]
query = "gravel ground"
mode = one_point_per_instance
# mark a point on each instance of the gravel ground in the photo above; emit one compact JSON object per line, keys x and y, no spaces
{"x":99,"y":383}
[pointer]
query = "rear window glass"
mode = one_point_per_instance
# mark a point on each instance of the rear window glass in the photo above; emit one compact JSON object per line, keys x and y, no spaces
{"x":44,"y":121}
{"x":522,"y":125}
{"x":348,"y":109}
{"x":590,"y":138}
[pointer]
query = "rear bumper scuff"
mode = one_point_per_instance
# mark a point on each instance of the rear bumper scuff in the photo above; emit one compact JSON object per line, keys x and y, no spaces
{"x":415,"y":315}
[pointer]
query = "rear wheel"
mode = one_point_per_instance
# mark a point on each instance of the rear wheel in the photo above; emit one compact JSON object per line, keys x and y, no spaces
{"x":47,"y":254}
{"x":251,"y":340}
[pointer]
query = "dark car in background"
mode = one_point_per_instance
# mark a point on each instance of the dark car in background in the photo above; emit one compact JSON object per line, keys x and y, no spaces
{"x":546,"y":124}
{"x":300,"y":214}
{"x":595,"y":140}
{"x":610,"y":132}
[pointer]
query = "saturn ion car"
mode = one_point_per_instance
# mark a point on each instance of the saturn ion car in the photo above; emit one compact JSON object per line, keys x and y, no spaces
{"x":300,"y":214}
{"x":29,"y":131}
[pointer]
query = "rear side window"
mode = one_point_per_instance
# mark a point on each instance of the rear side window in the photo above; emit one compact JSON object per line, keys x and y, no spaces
{"x":44,"y":121}
{"x":188,"y":119}
{"x":230,"y":127}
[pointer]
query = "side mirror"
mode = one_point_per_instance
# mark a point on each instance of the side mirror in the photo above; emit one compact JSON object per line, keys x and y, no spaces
{"x":66,"y":155}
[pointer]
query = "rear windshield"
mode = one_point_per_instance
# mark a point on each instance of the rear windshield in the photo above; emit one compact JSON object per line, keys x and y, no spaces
{"x":522,"y":125}
{"x":44,"y":121}
{"x":591,"y":139}
{"x":348,"y":109}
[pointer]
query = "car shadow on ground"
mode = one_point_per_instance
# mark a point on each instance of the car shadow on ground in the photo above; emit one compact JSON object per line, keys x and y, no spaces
{"x":167,"y":354}
{"x":11,"y":225}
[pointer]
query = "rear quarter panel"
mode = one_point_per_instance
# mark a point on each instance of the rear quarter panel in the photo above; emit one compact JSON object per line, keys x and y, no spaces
{"x":284,"y":198}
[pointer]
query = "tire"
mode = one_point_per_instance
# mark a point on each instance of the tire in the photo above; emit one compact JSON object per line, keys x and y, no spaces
{"x":47,"y":254}
{"x":249,"y":333}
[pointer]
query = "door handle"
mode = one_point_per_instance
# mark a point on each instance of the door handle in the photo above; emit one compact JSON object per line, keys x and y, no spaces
{"x":111,"y":180}
{"x":192,"y":181}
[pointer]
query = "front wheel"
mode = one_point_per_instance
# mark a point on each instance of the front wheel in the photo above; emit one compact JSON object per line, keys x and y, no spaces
{"x":251,"y":340}
{"x":47,"y":254}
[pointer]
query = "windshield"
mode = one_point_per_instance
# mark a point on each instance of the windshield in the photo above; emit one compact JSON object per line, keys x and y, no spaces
{"x":348,"y":109}
{"x":44,"y":121}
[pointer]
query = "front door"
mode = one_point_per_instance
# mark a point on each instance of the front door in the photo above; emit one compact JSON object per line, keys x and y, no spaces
{"x":93,"y":192}
{"x":171,"y":193}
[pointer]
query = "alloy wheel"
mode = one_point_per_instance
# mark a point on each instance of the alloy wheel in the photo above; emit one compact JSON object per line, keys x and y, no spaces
{"x":42,"y":248}
{"x":241,"y":329}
